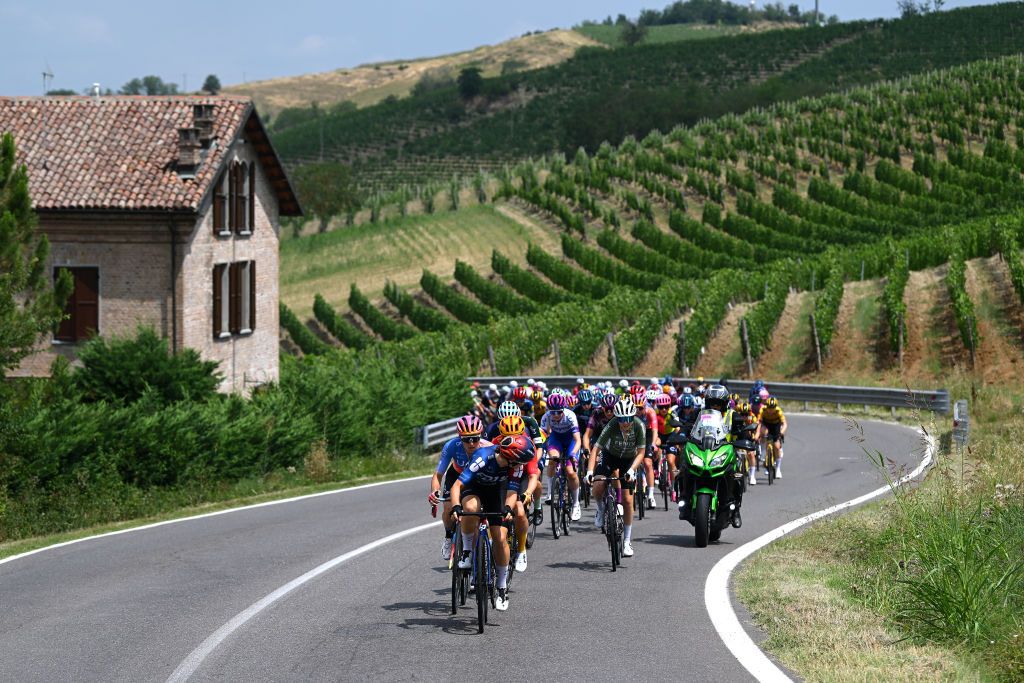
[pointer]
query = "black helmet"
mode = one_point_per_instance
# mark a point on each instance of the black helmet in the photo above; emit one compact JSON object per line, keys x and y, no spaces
{"x":717,"y":398}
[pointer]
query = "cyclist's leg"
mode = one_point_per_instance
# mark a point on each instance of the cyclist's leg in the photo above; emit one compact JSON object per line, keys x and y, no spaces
{"x":554,"y":451}
{"x":519,"y":515}
{"x":649,"y":473}
{"x":572,"y":476}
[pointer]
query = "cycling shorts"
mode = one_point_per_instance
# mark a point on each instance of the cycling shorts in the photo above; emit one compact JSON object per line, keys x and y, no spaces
{"x":564,"y":444}
{"x":774,"y":431}
{"x":450,"y":477}
{"x":492,"y":496}
{"x":607,"y":464}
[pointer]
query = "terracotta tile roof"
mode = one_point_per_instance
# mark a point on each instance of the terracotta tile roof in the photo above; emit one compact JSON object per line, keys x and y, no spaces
{"x":121,"y":152}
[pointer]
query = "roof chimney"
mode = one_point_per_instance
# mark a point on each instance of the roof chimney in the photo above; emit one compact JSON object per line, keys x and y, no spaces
{"x":96,"y":90}
{"x":188,"y":152}
{"x":202,"y":119}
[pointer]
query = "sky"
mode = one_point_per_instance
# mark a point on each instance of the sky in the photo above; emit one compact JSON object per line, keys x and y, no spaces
{"x":113,"y":41}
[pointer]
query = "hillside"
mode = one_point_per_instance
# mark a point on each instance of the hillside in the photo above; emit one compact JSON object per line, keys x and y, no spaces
{"x":805,"y":199}
{"x":368,"y":84}
{"x":603,"y":94}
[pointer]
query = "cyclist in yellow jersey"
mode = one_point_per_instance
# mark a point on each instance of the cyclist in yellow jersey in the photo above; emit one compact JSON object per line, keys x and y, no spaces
{"x":773,"y":426}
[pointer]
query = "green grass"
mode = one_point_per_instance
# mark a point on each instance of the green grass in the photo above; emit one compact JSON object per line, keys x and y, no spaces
{"x":163,"y":505}
{"x":398,"y":249}
{"x":927,"y":585}
{"x":612,"y":35}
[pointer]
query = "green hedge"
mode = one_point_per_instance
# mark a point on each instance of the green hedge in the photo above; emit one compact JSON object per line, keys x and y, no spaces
{"x":462,"y":307}
{"x":564,"y":275}
{"x":491,"y":293}
{"x":423,"y":317}
{"x":300,"y":334}
{"x":380,"y":323}
{"x":344,"y":331}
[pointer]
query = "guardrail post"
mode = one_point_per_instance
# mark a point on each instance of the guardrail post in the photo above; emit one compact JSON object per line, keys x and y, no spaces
{"x":862,"y":269}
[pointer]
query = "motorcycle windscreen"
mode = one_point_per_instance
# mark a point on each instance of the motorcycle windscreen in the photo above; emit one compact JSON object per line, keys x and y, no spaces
{"x":710,"y":425}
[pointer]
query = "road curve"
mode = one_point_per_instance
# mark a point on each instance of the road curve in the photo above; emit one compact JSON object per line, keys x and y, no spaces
{"x":133,"y":607}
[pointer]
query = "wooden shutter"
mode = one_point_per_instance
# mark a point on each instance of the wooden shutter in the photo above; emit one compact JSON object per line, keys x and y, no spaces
{"x":66,"y":329}
{"x":232,"y":197}
{"x":218,"y":203}
{"x":240,"y":201}
{"x":252,"y":197}
{"x":252,"y":295}
{"x":235,"y":290}
{"x":218,"y":303}
{"x":87,"y":302}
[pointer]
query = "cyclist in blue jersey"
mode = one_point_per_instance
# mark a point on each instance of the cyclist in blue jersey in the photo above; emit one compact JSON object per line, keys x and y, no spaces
{"x":563,"y":442}
{"x":455,"y":456}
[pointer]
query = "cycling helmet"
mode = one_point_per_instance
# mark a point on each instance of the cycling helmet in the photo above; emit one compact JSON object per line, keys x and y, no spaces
{"x":773,"y":402}
{"x":663,"y":400}
{"x":652,"y":394}
{"x":520,"y":393}
{"x":511,"y":425}
{"x":508,"y":409}
{"x":469,"y":425}
{"x":654,"y":380}
{"x":717,"y":398}
{"x":527,"y":406}
{"x":763,"y":394}
{"x":585,"y":396}
{"x":474,"y":393}
{"x":743,"y":407}
{"x":609,"y":400}
{"x":573,"y":401}
{"x":625,"y":409}
{"x":538,"y":395}
{"x":623,"y":383}
{"x":516,"y":447}
{"x":513,"y":384}
{"x":687,"y":402}
{"x":557,"y":402}
{"x":530,"y":382}
{"x":579,"y":380}
{"x":492,"y":387}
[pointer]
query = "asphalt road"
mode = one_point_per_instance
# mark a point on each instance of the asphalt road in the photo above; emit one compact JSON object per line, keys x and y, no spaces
{"x":132,"y":607}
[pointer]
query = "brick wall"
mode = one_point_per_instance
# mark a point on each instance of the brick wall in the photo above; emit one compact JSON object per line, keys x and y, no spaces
{"x":245,"y":360}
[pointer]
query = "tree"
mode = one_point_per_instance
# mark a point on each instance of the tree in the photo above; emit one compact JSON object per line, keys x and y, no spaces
{"x":913,"y":8}
{"x":633,"y":33}
{"x":149,"y":85}
{"x":326,"y":189}
{"x":211,"y":85}
{"x":470,"y":82}
{"x":29,"y":305}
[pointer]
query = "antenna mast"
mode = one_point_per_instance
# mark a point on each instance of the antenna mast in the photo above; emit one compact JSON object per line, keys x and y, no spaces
{"x":47,"y":78}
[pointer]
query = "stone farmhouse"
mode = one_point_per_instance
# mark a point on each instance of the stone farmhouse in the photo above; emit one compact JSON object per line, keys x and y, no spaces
{"x":166,"y":212}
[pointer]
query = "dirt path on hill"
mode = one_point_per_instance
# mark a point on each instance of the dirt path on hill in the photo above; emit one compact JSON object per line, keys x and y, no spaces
{"x":859,"y":346}
{"x":664,"y":354}
{"x":791,"y":351}
{"x":998,"y":355}
{"x":599,"y":363}
{"x":933,"y":343}
{"x":723,"y":354}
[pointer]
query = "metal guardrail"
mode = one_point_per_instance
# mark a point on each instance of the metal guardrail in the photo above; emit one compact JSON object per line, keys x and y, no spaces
{"x":936,"y":400}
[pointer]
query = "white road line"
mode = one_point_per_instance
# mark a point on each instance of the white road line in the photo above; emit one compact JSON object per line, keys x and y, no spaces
{"x":12,"y":558}
{"x":716,"y":589}
{"x":189,"y":665}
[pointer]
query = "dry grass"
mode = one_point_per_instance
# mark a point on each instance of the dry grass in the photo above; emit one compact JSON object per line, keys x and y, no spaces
{"x":371,"y":83}
{"x":399,"y":250}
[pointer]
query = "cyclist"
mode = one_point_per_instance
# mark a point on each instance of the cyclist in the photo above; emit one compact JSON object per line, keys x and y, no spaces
{"x":455,"y":455}
{"x":483,"y":484}
{"x":563,"y":442}
{"x":621,"y":447}
{"x":745,"y":416}
{"x":600,"y":416}
{"x":665,"y":419}
{"x":585,"y":406}
{"x":647,"y":414}
{"x":773,"y":426}
{"x":524,"y":478}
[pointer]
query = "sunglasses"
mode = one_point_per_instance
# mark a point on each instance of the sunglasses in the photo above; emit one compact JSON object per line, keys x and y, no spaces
{"x":556,"y":412}
{"x":469,"y":439}
{"x":624,"y":420}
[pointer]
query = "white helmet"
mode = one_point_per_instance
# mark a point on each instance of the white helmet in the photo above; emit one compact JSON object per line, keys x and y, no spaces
{"x":654,"y":380}
{"x":505,"y":389}
{"x":623,"y":383}
{"x":508,"y":409}
{"x":492,"y":387}
{"x":543,"y":386}
{"x":579,"y":380}
{"x":652,"y":394}
{"x":513,"y":384}
{"x":625,"y":409}
{"x":530,"y":382}
{"x":474,"y":393}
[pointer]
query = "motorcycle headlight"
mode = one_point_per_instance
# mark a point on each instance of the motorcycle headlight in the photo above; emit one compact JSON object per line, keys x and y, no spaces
{"x":696,"y":460}
{"x":719,"y":459}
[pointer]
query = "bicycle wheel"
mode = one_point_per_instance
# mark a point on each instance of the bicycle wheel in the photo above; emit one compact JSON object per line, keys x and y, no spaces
{"x":584,"y":491}
{"x":566,"y":507}
{"x":664,"y":482}
{"x":457,"y":575}
{"x":769,"y":463}
{"x":639,"y":498}
{"x":613,"y":542}
{"x":480,"y":578}
{"x":531,"y":530}
{"x":555,"y":521}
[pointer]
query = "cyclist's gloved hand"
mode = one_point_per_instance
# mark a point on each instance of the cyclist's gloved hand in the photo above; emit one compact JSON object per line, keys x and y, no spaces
{"x":628,"y":476}
{"x":508,"y":513}
{"x":590,"y":477}
{"x":456,"y":511}
{"x":434,"y":498}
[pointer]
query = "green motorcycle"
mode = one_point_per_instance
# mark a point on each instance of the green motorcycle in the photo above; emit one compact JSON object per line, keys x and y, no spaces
{"x":713,"y":485}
